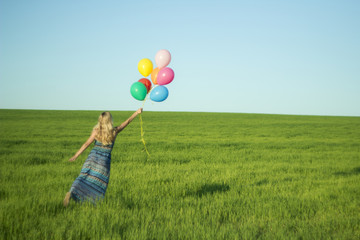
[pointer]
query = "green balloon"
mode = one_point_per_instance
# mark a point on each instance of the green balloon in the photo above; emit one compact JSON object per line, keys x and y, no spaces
{"x":138,"y":91}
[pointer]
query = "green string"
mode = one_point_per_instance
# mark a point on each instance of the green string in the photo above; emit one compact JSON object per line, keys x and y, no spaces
{"x":141,"y":126}
{"x":142,"y":135}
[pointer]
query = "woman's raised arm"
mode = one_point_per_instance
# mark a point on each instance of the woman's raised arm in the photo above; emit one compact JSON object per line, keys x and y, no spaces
{"x":124,"y":124}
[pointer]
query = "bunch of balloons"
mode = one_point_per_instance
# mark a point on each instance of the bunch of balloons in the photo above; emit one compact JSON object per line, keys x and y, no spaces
{"x":161,"y":75}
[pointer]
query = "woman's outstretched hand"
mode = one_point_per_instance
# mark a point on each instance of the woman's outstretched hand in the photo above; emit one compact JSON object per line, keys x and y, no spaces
{"x":139,"y":110}
{"x":72,"y":159}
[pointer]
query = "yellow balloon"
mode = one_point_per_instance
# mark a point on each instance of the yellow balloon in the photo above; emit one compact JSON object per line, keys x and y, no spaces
{"x":145,"y":67}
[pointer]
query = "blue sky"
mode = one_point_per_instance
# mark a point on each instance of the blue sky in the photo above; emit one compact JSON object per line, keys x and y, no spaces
{"x":284,"y":57}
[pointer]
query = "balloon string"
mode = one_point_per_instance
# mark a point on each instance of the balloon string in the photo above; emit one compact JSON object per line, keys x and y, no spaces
{"x":142,"y":136}
{"x":142,"y":129}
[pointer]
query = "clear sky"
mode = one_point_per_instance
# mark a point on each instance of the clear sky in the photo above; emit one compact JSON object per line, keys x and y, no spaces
{"x":284,"y":57}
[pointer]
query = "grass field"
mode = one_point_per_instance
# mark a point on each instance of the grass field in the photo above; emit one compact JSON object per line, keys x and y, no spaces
{"x":209,"y":176}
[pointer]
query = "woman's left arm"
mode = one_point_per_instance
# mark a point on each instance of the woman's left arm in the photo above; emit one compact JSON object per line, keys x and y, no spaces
{"x":129,"y":120}
{"x":84,"y":146}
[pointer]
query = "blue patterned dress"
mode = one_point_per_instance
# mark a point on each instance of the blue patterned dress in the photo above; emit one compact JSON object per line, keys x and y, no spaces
{"x":93,"y":180}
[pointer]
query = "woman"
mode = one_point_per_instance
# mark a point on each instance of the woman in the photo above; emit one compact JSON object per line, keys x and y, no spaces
{"x":94,"y":176}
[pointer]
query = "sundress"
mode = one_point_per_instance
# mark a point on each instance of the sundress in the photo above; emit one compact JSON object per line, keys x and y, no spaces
{"x":93,"y":180}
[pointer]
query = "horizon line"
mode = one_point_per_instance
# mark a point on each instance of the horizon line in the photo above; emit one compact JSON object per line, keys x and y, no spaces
{"x":182,"y":111}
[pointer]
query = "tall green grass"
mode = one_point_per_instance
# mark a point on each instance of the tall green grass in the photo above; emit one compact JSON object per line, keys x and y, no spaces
{"x":209,"y":176}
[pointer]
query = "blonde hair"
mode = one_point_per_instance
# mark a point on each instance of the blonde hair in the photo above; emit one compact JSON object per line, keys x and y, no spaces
{"x":105,"y":129}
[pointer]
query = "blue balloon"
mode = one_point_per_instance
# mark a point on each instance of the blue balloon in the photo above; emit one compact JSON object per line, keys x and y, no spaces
{"x":159,"y":94}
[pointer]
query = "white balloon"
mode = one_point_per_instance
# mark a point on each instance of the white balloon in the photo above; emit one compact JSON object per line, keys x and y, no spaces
{"x":162,"y":58}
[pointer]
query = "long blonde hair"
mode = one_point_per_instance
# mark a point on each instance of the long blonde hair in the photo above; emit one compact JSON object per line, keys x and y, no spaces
{"x":105,"y":129}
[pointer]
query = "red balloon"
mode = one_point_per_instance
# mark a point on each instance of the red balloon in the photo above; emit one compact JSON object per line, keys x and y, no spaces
{"x":147,"y":83}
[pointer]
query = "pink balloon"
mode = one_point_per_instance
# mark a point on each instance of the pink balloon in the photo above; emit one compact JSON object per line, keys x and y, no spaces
{"x":165,"y":76}
{"x":162,"y":58}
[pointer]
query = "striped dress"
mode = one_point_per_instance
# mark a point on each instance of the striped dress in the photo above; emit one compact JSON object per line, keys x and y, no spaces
{"x":93,"y":180}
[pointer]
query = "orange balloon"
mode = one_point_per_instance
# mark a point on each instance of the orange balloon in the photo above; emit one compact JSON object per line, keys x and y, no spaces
{"x":154,"y":75}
